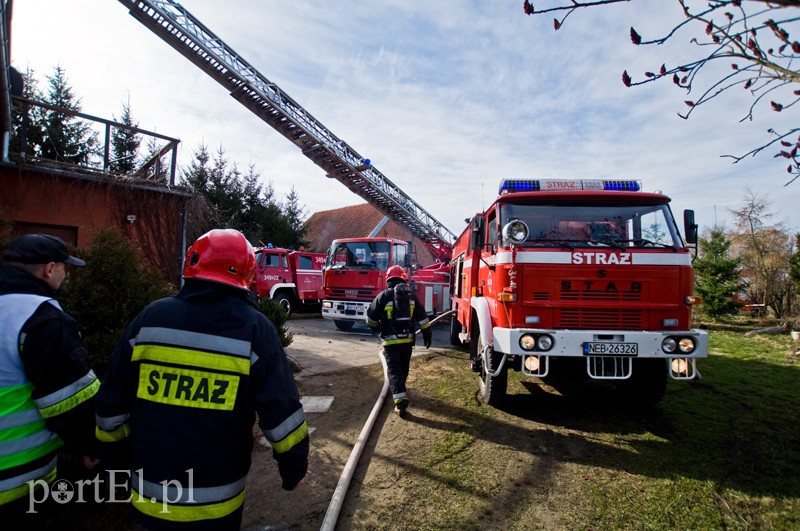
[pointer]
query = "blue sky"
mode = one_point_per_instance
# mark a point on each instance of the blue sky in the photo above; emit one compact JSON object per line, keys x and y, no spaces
{"x":445,"y":98}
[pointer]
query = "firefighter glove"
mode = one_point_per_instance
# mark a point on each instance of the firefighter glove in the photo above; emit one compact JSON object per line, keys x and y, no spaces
{"x":426,"y":337}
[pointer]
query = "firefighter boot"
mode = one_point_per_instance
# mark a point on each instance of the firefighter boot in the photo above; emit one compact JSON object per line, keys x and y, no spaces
{"x":400,"y":408}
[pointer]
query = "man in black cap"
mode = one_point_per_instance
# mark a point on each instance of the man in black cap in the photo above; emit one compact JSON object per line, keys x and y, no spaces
{"x":46,"y":386}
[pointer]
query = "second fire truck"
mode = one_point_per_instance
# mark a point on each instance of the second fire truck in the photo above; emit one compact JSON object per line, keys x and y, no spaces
{"x":571,"y":280}
{"x":355,"y":273}
{"x":291,"y":278}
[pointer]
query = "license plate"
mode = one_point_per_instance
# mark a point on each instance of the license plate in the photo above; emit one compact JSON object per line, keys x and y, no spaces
{"x":610,"y":349}
{"x":350,"y":309}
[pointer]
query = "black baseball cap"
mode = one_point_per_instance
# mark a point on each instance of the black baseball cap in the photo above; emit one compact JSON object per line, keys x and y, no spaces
{"x":40,"y":249}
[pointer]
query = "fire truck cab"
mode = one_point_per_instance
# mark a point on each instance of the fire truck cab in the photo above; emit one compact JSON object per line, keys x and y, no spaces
{"x":355,"y":273}
{"x":569,"y":280}
{"x":292,"y":278}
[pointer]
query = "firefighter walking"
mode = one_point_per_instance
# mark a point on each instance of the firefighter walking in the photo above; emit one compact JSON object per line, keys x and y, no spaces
{"x":183,"y":388}
{"x":396,"y":312}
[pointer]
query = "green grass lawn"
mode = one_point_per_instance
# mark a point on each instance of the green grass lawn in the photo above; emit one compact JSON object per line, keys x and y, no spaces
{"x":725,"y":452}
{"x":720,"y":452}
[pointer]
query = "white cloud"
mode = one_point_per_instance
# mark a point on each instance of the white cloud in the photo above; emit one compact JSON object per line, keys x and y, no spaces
{"x":446,"y":98}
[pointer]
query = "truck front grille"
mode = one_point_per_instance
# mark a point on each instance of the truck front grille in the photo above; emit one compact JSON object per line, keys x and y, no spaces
{"x":600,"y":295}
{"x":352,"y":294}
{"x":600,"y":319}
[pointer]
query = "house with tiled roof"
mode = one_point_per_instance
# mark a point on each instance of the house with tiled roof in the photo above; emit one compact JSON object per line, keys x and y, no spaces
{"x":359,"y":221}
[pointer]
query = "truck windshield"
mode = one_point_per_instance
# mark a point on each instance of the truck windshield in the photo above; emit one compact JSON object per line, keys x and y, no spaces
{"x":640,"y":226}
{"x":359,"y":255}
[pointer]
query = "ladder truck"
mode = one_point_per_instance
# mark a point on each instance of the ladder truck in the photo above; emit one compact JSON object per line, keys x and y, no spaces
{"x":345,"y":288}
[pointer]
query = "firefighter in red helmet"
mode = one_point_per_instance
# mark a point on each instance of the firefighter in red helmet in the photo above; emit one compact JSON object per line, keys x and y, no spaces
{"x":183,"y":388}
{"x":396,"y":313}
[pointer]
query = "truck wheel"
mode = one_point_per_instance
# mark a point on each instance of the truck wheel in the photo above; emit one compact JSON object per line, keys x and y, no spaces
{"x":647,"y":384}
{"x":492,"y":388}
{"x":343,"y":325}
{"x":455,"y":329}
{"x":285,"y":303}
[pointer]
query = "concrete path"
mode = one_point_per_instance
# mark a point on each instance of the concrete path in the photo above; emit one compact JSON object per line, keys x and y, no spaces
{"x":319,"y":347}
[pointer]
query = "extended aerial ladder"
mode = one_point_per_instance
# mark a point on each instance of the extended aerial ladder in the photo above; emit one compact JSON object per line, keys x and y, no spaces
{"x":178,"y":28}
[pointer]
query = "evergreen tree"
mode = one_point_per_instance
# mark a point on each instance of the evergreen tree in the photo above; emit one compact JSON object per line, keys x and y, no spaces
{"x":717,"y":275}
{"x":198,"y":174}
{"x":294,"y":212}
{"x":68,"y":138}
{"x":220,"y":185}
{"x":226,"y":190}
{"x":279,"y":227}
{"x":241,"y":202}
{"x":253,"y":208}
{"x":28,"y":120}
{"x":125,"y":144}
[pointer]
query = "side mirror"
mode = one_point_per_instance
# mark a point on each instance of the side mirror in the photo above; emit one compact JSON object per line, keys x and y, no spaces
{"x":476,"y":234}
{"x":689,"y":226}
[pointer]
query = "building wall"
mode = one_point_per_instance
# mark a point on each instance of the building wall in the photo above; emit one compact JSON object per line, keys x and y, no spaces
{"x":76,"y":207}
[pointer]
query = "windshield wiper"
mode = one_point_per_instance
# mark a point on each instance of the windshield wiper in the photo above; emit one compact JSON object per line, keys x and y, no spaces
{"x":643,"y":242}
{"x":611,"y":242}
{"x":569,"y":244}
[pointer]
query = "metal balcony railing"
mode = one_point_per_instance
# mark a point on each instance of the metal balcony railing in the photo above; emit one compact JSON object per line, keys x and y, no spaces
{"x":159,"y":164}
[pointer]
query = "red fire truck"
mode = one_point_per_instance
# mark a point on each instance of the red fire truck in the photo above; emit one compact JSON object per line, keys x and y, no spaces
{"x":355,"y":272}
{"x":570,"y":280}
{"x":292,"y":278}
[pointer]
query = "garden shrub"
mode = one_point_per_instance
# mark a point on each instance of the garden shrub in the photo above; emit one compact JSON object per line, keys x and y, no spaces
{"x":109,"y":292}
{"x":278,"y":316}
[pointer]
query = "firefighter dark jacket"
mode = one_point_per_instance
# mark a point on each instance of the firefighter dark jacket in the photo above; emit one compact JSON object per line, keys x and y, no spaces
{"x":380,"y":312}
{"x":183,"y":388}
{"x":46,"y":385}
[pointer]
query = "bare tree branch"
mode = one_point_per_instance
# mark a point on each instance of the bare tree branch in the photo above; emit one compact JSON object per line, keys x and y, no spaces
{"x":763,"y":57}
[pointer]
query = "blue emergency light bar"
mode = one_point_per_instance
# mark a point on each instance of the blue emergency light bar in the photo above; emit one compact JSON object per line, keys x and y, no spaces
{"x":510,"y":186}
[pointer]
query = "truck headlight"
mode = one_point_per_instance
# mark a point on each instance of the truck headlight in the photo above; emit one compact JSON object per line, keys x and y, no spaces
{"x":544,"y":343}
{"x":527,"y":342}
{"x":686,"y":344}
{"x":668,"y":345}
{"x":541,"y":343}
{"x":515,"y":231}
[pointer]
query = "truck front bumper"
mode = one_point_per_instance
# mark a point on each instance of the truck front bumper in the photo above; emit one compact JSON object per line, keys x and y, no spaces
{"x":609,"y":354}
{"x":345,"y":310}
{"x":582,"y":343}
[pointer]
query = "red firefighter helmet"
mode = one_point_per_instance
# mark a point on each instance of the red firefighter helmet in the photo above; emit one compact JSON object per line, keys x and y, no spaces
{"x":221,"y":255}
{"x":396,"y":272}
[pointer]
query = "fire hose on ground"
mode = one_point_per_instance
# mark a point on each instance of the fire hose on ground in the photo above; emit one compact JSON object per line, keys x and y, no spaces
{"x":335,"y":506}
